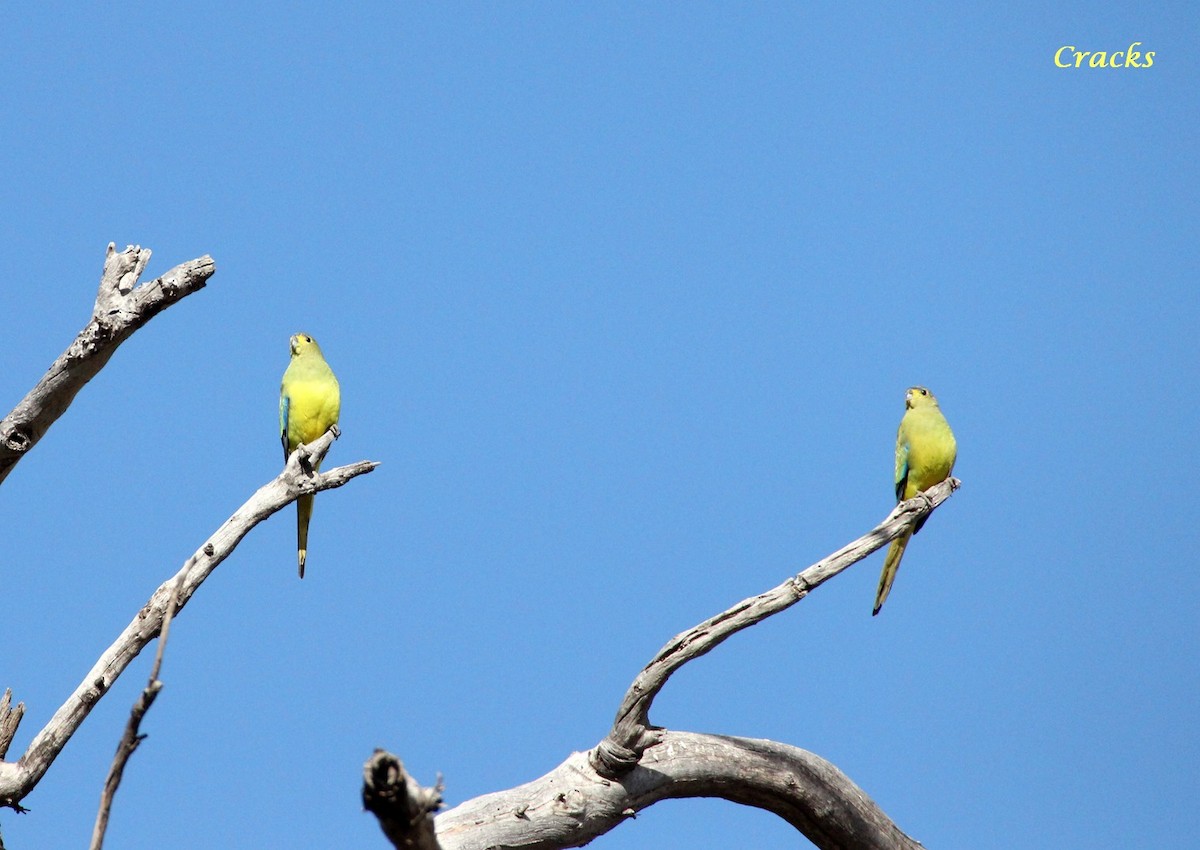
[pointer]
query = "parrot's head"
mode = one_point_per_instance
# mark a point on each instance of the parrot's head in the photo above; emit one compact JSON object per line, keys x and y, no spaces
{"x":915,"y":397}
{"x":303,"y":343}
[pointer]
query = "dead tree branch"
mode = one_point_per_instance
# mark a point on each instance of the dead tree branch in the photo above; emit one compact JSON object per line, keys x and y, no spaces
{"x":405,"y":810}
{"x":297,"y":478}
{"x":122,"y":306}
{"x":573,"y":804}
{"x":636,"y":764}
{"x":10,"y":719}
{"x":632,"y":732}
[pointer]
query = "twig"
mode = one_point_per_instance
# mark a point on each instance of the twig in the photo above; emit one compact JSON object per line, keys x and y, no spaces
{"x":121,"y":308}
{"x":131,"y":738}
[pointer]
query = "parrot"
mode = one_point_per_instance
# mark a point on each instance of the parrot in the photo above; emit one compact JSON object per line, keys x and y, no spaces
{"x":925,"y":454}
{"x":310,"y":402}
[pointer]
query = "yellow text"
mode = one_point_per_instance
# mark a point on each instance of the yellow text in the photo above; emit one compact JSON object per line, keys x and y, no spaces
{"x":1069,"y":56}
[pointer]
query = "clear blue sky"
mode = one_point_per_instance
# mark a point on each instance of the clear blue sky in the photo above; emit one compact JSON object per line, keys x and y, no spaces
{"x":625,"y":298}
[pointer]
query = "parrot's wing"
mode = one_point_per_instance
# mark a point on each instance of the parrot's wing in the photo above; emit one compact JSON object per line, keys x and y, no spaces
{"x":901,"y":468}
{"x":285,"y":404}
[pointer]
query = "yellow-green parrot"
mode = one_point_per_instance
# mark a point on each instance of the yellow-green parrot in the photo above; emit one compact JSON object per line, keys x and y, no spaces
{"x":309,"y":403}
{"x":925,"y":453}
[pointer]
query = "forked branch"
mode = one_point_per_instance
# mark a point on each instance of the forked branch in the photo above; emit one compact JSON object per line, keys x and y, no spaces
{"x":637,"y":764}
{"x":122,"y":306}
{"x":297,"y":479}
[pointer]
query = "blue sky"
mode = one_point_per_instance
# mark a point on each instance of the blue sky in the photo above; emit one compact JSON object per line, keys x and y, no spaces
{"x":625,"y":299}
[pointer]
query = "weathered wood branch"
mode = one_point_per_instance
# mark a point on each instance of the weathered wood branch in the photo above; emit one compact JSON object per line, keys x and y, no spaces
{"x":297,"y":479}
{"x":573,"y":804}
{"x":405,"y":810}
{"x":10,"y":719}
{"x":637,"y":765}
{"x":632,"y":733}
{"x":122,"y":306}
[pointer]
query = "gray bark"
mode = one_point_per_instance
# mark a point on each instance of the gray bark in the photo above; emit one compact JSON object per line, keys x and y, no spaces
{"x":638,"y":764}
{"x":573,"y":804}
{"x":122,"y":306}
{"x":18,"y":778}
{"x":404,"y":809}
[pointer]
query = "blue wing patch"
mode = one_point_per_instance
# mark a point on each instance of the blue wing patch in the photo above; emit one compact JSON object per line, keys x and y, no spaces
{"x":285,"y":403}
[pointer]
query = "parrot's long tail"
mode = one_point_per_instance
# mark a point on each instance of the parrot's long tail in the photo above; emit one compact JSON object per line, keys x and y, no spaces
{"x":304,"y":509}
{"x":890,"y":564}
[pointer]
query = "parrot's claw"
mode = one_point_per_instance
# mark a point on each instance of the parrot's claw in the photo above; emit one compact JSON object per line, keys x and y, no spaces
{"x":337,"y":432}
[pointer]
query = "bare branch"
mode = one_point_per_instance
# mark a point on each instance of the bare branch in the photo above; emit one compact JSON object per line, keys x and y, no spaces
{"x":121,"y":308}
{"x":404,"y":809}
{"x":10,"y":719}
{"x":131,"y":739}
{"x":632,"y":732}
{"x":572,"y":804}
{"x":637,"y":765}
{"x":296,"y":479}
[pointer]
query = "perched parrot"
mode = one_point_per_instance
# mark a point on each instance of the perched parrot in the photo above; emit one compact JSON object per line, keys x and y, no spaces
{"x":309,"y":404}
{"x":925,"y":453}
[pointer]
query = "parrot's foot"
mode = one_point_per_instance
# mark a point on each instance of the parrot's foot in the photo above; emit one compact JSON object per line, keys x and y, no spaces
{"x":337,"y":432}
{"x":304,"y":458}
